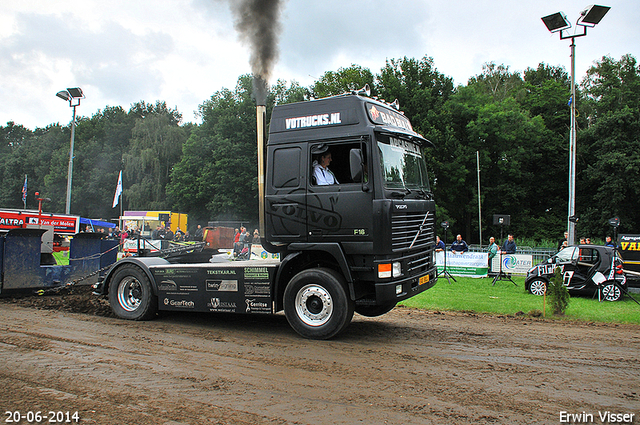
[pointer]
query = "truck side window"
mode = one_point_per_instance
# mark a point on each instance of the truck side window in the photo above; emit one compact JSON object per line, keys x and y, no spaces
{"x":340,"y":154}
{"x":286,"y":167}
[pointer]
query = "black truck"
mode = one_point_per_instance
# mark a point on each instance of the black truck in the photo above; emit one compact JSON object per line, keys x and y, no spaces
{"x":360,"y":244}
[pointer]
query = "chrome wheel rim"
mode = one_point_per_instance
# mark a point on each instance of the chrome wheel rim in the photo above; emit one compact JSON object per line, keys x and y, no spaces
{"x":129,"y":293}
{"x":538,"y":287}
{"x":314,"y":305}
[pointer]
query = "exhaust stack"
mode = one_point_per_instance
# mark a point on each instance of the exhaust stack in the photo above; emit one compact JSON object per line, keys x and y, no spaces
{"x":261,"y":115}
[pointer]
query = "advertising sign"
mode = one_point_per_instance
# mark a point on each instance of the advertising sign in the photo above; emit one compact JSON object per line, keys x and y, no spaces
{"x":471,"y":264}
{"x":512,"y":263}
{"x":629,"y":249}
{"x":217,"y":288}
{"x":18,"y":219}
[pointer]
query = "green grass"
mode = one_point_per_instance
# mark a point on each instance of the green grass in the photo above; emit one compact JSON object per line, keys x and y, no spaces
{"x":478,"y":295}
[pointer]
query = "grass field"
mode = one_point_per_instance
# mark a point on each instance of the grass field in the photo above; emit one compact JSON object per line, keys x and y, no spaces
{"x":478,"y":295}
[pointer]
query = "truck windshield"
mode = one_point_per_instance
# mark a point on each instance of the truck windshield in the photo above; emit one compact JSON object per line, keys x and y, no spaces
{"x":403,"y":166}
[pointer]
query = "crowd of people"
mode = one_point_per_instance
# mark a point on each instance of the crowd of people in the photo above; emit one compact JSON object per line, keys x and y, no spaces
{"x":242,"y":242}
{"x":161,"y":232}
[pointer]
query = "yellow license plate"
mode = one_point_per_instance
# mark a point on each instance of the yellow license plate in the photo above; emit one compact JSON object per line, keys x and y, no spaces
{"x":423,"y":279}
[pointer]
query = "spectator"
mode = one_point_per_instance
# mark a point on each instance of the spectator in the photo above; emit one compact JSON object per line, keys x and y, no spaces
{"x":492,"y":250}
{"x":179,"y":235}
{"x":509,"y":246}
{"x":238,"y":243}
{"x":168,"y":235}
{"x":561,"y":242}
{"x":439,"y":245}
{"x":256,"y":237}
{"x":609,"y":242}
{"x":459,"y":246}
{"x":197,"y":235}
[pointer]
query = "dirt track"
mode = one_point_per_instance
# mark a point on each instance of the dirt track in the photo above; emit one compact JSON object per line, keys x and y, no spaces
{"x":407,"y":367}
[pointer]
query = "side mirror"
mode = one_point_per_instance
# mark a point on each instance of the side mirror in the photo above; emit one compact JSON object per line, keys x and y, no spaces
{"x":355,"y":164}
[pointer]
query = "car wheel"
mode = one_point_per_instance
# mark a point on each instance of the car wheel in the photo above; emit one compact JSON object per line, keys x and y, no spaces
{"x":374,"y":310}
{"x":538,"y":286}
{"x":611,"y":292}
{"x":130,"y":294}
{"x":316,"y":303}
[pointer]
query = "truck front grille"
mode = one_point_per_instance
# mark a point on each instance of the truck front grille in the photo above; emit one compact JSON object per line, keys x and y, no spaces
{"x":405,"y":227}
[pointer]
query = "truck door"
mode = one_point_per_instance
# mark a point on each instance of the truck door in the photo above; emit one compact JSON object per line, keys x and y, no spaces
{"x":285,"y":203}
{"x":342,"y":211}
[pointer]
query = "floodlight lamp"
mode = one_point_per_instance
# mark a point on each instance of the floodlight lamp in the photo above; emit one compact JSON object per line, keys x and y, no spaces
{"x":63,"y":94}
{"x":592,"y":15}
{"x":556,"y":22}
{"x":76,"y":92}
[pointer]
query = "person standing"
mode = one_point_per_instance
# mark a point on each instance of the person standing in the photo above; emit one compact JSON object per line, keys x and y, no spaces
{"x":439,"y":245}
{"x":197,"y":235}
{"x":561,"y":242}
{"x":509,"y":246}
{"x":492,"y":250}
{"x":609,"y":242}
{"x":459,"y":246}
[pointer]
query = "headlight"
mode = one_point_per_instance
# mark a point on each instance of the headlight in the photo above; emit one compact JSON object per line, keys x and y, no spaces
{"x":397,"y":269}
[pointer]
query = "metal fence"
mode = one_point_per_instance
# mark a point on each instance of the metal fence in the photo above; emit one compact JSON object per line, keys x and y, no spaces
{"x":539,"y":254}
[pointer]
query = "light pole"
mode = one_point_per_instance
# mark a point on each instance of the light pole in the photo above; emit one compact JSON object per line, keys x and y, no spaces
{"x":72,"y":95}
{"x":558,"y":22}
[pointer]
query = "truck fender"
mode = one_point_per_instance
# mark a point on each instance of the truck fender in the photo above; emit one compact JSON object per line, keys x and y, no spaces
{"x":333,"y":249}
{"x":142,"y":262}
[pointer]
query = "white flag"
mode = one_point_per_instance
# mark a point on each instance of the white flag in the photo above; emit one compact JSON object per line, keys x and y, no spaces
{"x":116,"y":197}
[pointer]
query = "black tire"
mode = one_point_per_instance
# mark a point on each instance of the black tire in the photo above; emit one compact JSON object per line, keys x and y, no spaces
{"x":316,"y":303}
{"x":611,"y":292}
{"x":130,"y":294}
{"x":374,"y":310}
{"x":538,"y":286}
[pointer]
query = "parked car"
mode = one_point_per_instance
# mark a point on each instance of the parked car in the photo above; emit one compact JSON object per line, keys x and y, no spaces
{"x":585,"y":268}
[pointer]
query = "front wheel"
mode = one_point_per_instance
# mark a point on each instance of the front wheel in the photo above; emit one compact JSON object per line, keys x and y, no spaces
{"x":316,"y":303}
{"x":611,"y":292}
{"x":538,"y":286}
{"x":130,"y":294}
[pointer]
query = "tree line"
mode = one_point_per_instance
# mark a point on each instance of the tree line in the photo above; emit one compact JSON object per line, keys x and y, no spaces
{"x":514,"y":124}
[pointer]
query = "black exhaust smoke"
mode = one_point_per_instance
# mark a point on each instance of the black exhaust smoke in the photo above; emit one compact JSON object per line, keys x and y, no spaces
{"x":258,"y":23}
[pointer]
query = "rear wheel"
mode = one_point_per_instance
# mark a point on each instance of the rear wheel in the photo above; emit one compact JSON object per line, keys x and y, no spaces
{"x":130,"y":294}
{"x":316,"y":303}
{"x":374,"y":310}
{"x":538,"y":286}
{"x":611,"y":292}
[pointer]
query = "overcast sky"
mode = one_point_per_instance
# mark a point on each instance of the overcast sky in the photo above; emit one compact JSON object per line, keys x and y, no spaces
{"x":121,"y":51}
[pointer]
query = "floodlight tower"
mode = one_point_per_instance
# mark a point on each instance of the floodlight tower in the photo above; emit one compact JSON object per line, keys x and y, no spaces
{"x":72,"y":95}
{"x":558,"y":22}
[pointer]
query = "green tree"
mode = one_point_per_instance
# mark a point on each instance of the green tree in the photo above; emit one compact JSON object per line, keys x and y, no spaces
{"x":609,"y":149}
{"x":155,"y":147}
{"x":217,"y":175}
{"x":486,"y":117}
{"x":343,"y":80}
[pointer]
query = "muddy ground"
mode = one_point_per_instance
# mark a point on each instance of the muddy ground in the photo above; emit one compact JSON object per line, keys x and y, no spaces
{"x":67,"y":353}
